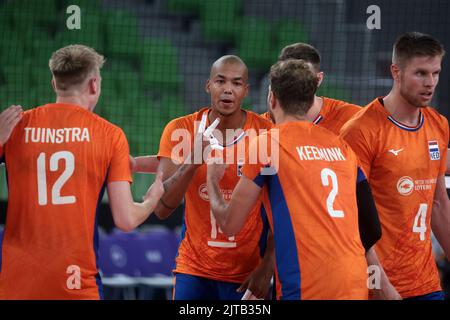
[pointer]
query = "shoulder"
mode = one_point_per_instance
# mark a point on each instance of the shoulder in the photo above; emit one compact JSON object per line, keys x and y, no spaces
{"x":339,"y":104}
{"x":259,"y":121}
{"x":433,"y":114}
{"x":101,"y":124}
{"x":185,"y":122}
{"x":365,"y":118}
{"x":437,"y":122}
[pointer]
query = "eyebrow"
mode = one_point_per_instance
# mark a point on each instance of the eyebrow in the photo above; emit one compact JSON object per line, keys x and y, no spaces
{"x":425,"y":70}
{"x":234,"y":79}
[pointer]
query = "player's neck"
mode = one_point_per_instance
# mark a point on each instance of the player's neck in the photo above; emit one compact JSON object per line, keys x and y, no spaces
{"x":314,"y":111}
{"x":285,"y":118}
{"x":233,"y":121}
{"x":77,"y":100}
{"x":400,"y":109}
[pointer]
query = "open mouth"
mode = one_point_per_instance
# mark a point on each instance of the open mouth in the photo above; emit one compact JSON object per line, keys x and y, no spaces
{"x":227,"y":101}
{"x":427,"y":95}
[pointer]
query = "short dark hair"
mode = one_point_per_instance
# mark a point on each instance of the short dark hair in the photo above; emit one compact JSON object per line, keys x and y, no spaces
{"x":415,"y":44}
{"x":294,"y":84}
{"x":301,"y":51}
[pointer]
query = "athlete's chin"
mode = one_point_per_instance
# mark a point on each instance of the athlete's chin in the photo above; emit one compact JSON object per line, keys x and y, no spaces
{"x":227,"y":111}
{"x":420,"y":102}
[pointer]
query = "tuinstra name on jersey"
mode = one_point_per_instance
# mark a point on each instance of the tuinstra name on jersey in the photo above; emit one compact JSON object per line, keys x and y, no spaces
{"x":62,"y":135}
{"x":315,"y":153}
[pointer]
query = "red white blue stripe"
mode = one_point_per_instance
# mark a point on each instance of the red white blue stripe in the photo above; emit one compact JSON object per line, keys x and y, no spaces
{"x":408,"y":128}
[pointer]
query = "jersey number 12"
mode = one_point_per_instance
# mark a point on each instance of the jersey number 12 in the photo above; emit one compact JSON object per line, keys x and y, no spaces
{"x":56,"y":189}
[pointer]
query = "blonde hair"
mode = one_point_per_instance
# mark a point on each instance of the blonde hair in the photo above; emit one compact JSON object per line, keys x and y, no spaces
{"x":71,"y":65}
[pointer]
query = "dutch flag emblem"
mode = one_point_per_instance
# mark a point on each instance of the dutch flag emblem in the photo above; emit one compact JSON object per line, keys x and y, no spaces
{"x":433,"y":148}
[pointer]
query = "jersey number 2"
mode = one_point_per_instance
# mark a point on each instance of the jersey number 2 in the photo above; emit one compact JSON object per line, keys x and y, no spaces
{"x":56,"y":189}
{"x":325,"y":174}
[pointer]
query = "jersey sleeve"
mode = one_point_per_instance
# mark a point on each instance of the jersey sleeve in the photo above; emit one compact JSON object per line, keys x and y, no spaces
{"x":443,"y":168}
{"x":359,"y":143}
{"x":1,"y":154}
{"x":119,"y":169}
{"x":175,"y":141}
{"x":257,"y":160}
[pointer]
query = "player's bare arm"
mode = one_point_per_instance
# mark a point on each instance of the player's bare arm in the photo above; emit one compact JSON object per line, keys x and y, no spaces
{"x":387,"y":291}
{"x":177,"y":177}
{"x":144,"y":164}
{"x":448,"y":161}
{"x":230,"y":216}
{"x":8,"y":120}
{"x":258,"y":282}
{"x":440,"y":216}
{"x":128,"y":214}
{"x":176,"y":181}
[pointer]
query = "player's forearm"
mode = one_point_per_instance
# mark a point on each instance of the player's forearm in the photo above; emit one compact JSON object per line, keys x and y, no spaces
{"x":175,"y":188}
{"x":140,"y":212}
{"x":146,"y":164}
{"x":386,"y":290}
{"x":269,"y":254}
{"x":219,"y":207}
{"x":448,"y":161}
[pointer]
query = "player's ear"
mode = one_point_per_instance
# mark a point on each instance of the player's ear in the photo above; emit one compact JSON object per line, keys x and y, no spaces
{"x":94,"y":85}
{"x":320,"y":77}
{"x":207,"y":86}
{"x":271,"y":99}
{"x":247,"y":86}
{"x":53,"y":84}
{"x":395,"y":72}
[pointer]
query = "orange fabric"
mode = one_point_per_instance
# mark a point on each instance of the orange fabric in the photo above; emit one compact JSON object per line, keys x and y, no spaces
{"x":333,"y":115}
{"x":204,"y":250}
{"x":329,"y":258}
{"x":336,"y":113}
{"x":402,"y":175}
{"x":50,"y":222}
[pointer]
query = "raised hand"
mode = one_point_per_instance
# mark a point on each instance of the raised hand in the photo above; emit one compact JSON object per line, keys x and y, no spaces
{"x":8,"y":120}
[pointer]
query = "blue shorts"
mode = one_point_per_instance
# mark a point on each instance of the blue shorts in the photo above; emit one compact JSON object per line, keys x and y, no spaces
{"x":438,"y":295}
{"x":188,"y":287}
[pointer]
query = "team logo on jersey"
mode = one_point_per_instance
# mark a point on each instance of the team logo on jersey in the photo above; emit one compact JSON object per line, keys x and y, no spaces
{"x":433,"y":148}
{"x":203,"y":192}
{"x":405,"y":186}
{"x":395,"y":152}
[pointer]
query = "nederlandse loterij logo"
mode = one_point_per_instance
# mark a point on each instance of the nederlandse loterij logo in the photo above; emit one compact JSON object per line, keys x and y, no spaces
{"x":203,"y":192}
{"x":405,"y":185}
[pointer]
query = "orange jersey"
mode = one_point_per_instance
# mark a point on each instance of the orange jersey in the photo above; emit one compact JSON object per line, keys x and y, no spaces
{"x":333,"y":115}
{"x":204,"y":250}
{"x":312,"y":210}
{"x":58,"y":161}
{"x":402,"y":164}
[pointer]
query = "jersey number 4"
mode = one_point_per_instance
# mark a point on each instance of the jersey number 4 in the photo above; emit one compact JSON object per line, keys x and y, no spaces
{"x":420,"y":225}
{"x":56,"y":189}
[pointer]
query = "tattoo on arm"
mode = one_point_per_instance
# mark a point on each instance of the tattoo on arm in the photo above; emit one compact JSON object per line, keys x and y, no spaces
{"x":171,"y":183}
